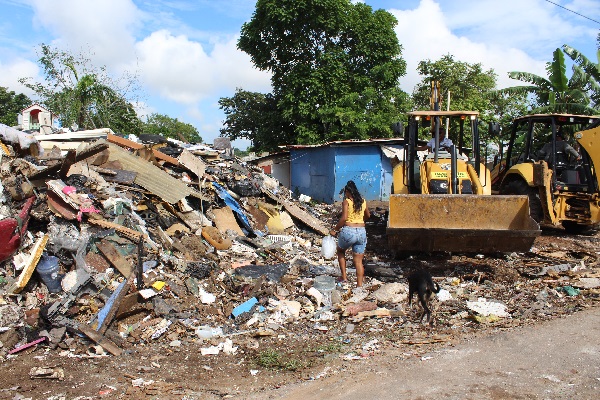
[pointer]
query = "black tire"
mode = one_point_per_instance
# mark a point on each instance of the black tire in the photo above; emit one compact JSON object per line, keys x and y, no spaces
{"x":574,"y":228}
{"x":520,"y":187}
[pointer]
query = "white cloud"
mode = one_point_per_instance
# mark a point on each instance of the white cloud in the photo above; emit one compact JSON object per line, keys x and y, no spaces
{"x":425,"y":35}
{"x":236,"y":70}
{"x":106,"y":28}
{"x":181,"y":70}
{"x":10,"y":73}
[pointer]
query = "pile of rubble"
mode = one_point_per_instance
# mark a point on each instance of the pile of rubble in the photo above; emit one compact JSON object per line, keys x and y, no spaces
{"x":117,"y":242}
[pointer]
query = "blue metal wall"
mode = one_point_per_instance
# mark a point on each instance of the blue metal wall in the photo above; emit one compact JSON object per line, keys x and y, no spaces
{"x":321,"y":172}
{"x":312,"y":172}
{"x":361,"y":164}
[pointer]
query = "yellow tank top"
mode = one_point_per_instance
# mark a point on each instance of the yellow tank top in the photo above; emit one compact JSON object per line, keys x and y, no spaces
{"x":353,"y":216}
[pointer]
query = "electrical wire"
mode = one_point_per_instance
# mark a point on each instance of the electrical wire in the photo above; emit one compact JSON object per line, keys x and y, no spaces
{"x":574,"y":12}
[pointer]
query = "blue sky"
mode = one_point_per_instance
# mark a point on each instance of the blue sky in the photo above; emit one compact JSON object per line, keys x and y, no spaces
{"x":184,"y":52}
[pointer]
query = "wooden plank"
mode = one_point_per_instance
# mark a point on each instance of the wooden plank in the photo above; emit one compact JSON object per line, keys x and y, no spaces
{"x":128,"y":302}
{"x":130,"y":233}
{"x":299,"y":213}
{"x":101,"y":340}
{"x":136,"y":146}
{"x":192,"y":163}
{"x":116,"y":259}
{"x":31,"y":263}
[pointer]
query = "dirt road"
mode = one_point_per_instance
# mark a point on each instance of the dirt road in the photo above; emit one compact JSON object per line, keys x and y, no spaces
{"x":558,"y":359}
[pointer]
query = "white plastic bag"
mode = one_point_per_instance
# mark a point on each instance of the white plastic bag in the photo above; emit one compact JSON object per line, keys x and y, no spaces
{"x":328,"y":247}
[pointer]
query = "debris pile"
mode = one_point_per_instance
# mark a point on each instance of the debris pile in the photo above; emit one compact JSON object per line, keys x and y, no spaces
{"x":120,"y":242}
{"x":114,"y":243}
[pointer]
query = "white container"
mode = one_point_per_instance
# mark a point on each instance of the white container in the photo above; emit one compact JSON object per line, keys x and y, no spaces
{"x":207,"y":332}
{"x":325,"y":284}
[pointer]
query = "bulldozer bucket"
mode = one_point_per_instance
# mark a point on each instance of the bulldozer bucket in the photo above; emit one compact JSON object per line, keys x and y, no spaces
{"x":460,"y":223}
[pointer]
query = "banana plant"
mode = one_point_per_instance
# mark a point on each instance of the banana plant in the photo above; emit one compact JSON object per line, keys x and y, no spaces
{"x":556,"y":93}
{"x":588,"y":70}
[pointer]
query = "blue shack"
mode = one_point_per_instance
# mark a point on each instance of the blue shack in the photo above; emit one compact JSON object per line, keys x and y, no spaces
{"x":321,"y":171}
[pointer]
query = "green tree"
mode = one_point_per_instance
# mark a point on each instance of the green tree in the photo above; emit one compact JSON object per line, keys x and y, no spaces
{"x":255,"y":116}
{"x":240,"y":153}
{"x":469,"y":85}
{"x":11,"y":105}
{"x":80,"y":94}
{"x":557,"y":92}
{"x":470,"y":88}
{"x":335,"y":66}
{"x":159,"y":124}
{"x":505,"y":108}
{"x":588,"y":70}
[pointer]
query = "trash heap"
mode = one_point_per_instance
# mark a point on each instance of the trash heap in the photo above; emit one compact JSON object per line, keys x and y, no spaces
{"x":119,"y":242}
{"x":112,"y":243}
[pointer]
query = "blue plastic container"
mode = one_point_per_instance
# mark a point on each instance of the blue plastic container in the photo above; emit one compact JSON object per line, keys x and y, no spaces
{"x":48,"y":269}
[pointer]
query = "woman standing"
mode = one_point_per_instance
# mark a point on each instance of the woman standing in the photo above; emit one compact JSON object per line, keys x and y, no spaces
{"x":352,"y":232}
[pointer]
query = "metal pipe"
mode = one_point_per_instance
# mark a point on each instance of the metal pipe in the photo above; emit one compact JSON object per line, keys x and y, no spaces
{"x":453,"y":170}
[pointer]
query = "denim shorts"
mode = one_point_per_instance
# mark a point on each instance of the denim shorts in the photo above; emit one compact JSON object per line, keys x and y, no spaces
{"x":353,"y":236}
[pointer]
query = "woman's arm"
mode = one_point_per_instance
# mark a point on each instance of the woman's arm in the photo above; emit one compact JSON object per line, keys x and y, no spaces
{"x":343,"y":217}
{"x":367,"y":212}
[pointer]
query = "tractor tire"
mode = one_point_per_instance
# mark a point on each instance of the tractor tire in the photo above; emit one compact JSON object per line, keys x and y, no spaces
{"x":574,"y":228}
{"x":520,"y":187}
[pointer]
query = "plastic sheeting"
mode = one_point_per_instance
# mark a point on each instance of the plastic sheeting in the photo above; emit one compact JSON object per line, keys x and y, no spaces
{"x":234,"y":205}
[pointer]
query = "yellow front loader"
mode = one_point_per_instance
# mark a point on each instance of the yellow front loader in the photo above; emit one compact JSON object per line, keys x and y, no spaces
{"x":562,"y":185}
{"x":442,"y":201}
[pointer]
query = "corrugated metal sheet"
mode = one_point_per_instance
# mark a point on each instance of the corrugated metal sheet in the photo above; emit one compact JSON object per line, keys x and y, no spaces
{"x":151,"y":177}
{"x":386,"y":141}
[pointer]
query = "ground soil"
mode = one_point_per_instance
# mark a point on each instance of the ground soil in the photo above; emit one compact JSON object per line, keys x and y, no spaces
{"x":307,"y":350}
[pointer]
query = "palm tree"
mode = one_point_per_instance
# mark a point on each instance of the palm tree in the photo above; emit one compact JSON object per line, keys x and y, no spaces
{"x":588,"y":71}
{"x":557,"y":93}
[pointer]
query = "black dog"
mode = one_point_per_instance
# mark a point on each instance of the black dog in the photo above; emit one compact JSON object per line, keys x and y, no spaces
{"x":422,"y":283}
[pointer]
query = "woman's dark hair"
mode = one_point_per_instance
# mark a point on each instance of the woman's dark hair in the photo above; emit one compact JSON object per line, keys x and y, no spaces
{"x":354,"y":193}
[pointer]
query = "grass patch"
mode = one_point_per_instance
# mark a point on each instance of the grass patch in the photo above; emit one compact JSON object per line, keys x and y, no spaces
{"x":272,"y":359}
{"x":333,"y":347}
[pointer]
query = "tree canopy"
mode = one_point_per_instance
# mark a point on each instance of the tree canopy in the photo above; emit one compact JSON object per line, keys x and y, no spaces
{"x":159,"y":124}
{"x":255,"y":116}
{"x":335,"y":67}
{"x":80,"y":94}
{"x":11,"y":105}
{"x":469,"y":85}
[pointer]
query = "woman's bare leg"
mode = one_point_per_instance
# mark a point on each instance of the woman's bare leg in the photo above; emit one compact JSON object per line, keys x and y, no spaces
{"x":360,"y":269}
{"x":341,"y":255}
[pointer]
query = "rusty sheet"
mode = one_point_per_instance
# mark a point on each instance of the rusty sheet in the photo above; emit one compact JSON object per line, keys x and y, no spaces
{"x":150,"y":177}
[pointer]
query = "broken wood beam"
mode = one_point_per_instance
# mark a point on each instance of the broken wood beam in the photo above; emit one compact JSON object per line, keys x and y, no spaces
{"x":100,"y":340}
{"x":31,"y":263}
{"x":130,"y":233}
{"x":299,"y":213}
{"x":89,"y":151}
{"x":122,"y":142}
{"x":114,"y":257}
